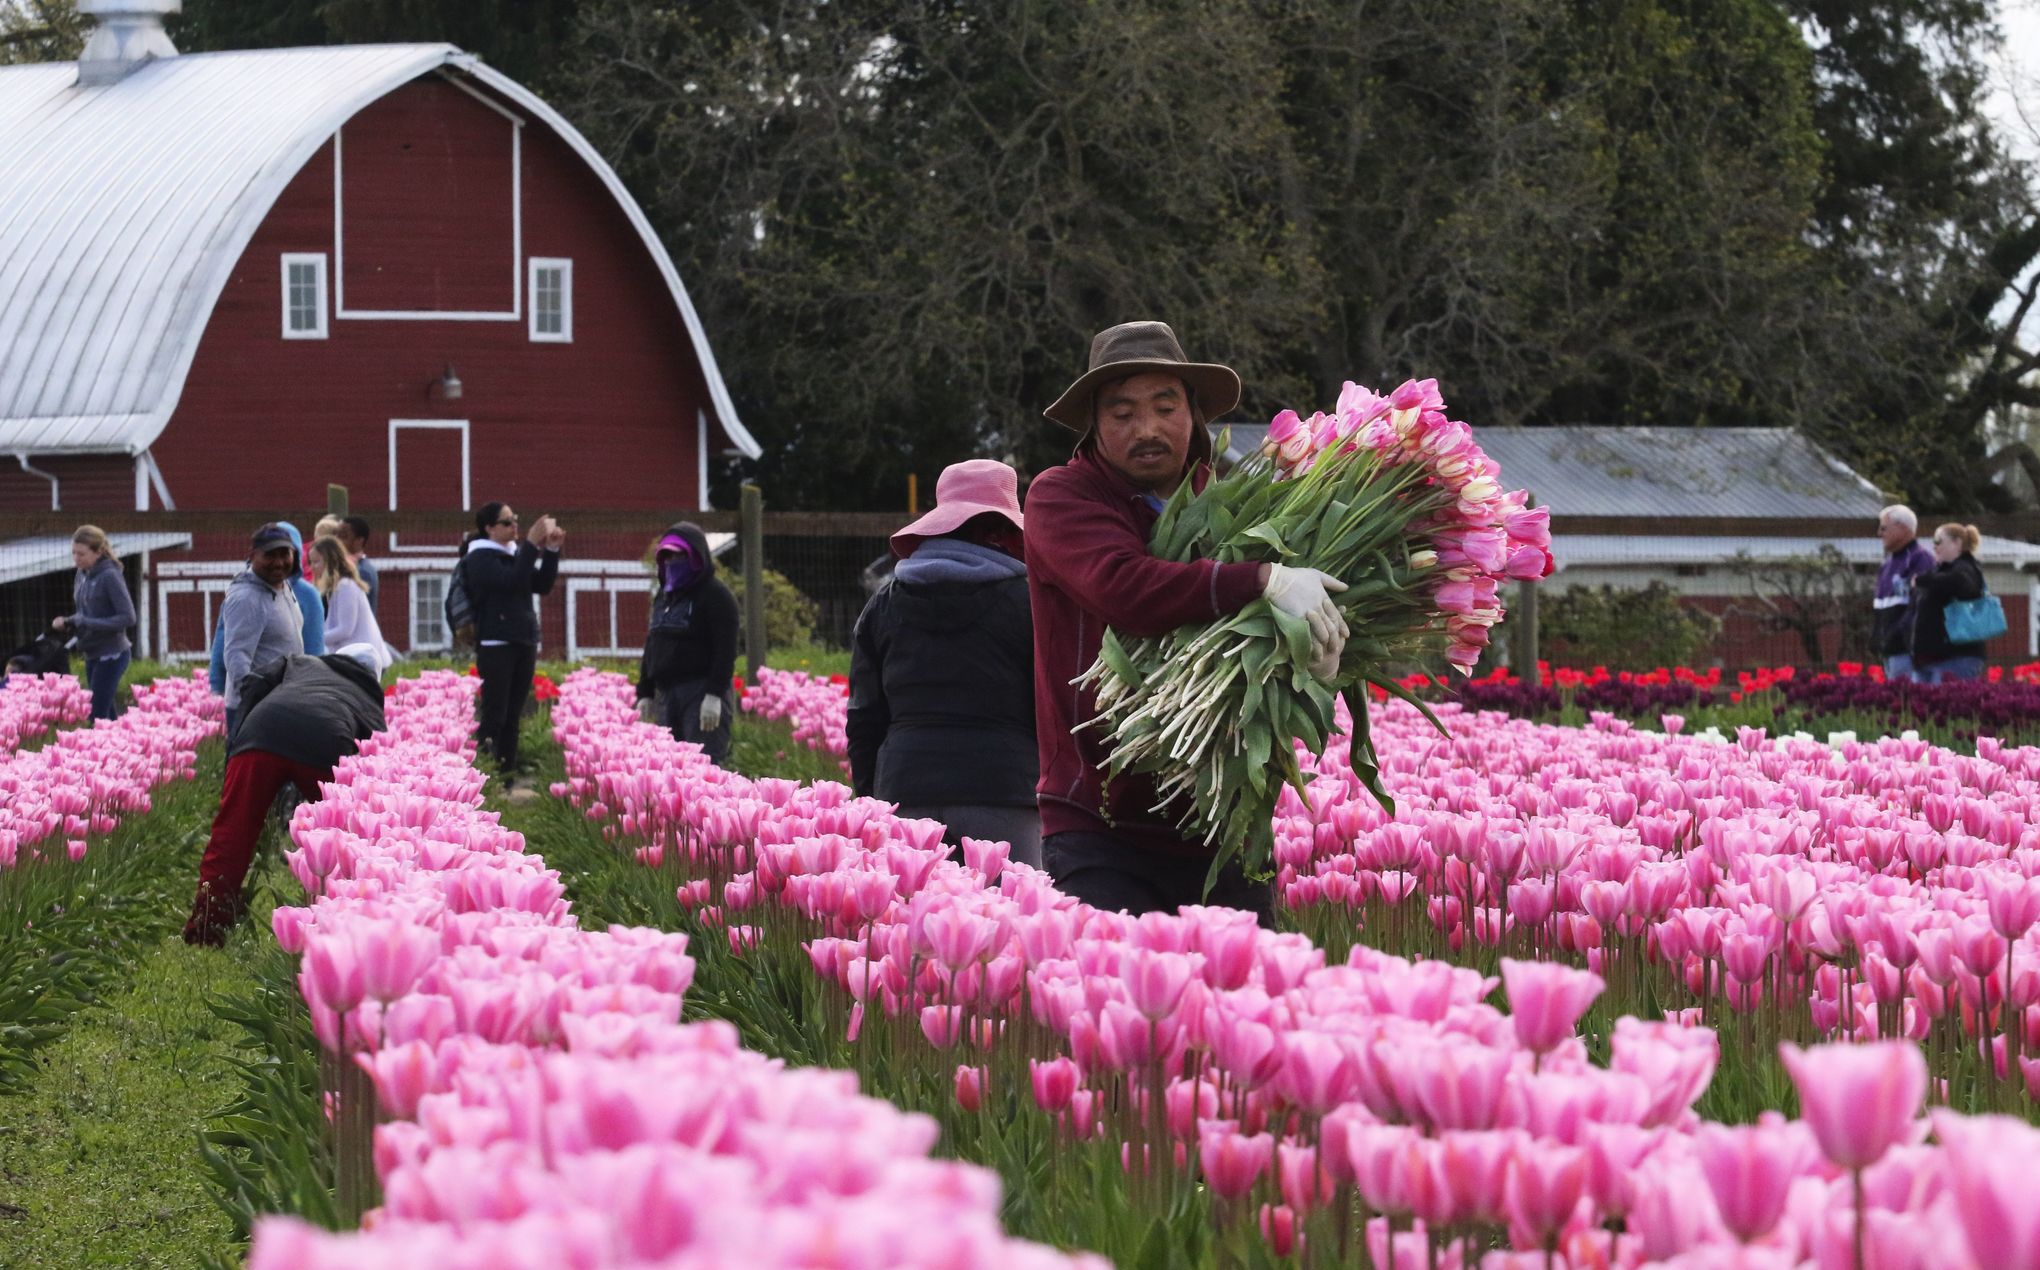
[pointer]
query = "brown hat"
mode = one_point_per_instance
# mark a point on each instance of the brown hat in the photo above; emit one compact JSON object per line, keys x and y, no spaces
{"x":1134,"y":348}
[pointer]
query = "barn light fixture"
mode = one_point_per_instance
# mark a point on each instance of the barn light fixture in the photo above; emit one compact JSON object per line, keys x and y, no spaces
{"x":447,"y":384}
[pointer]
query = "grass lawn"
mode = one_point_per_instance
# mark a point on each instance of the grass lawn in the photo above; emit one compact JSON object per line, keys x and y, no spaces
{"x":99,"y":1160}
{"x":99,"y":1153}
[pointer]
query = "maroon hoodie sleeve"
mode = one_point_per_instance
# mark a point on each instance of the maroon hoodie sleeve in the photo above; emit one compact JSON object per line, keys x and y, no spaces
{"x":1094,"y":550}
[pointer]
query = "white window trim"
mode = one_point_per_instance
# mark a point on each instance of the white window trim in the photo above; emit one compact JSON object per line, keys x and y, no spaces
{"x":603,"y":590}
{"x":445,"y":639}
{"x":566,"y":268}
{"x":466,"y":468}
{"x":316,"y":259}
{"x":340,"y":309}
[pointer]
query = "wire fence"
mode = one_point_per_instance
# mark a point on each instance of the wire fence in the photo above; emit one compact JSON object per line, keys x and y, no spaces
{"x":1628,"y":595}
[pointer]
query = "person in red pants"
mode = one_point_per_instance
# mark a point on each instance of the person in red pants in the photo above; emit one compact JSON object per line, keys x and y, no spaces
{"x":299,"y":716}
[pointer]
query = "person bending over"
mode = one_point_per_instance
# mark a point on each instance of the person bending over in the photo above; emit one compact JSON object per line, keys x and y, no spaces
{"x":299,"y":716}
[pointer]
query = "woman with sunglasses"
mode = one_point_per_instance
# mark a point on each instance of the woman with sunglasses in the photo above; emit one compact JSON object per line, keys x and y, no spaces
{"x":502,"y":575}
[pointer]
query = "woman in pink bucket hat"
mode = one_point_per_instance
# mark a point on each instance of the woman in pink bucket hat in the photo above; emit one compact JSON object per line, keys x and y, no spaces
{"x":942,"y":668}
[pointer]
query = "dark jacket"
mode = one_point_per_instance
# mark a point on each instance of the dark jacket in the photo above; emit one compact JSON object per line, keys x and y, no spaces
{"x":310,"y":710}
{"x":1891,"y":627}
{"x":1089,"y":568}
{"x":501,"y":586}
{"x":103,"y":611}
{"x":693,"y":635}
{"x":942,"y":695}
{"x":1959,"y":579}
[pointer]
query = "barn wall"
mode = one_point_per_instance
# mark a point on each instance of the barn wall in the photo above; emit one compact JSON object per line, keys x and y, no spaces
{"x":607,"y":421}
{"x":85,"y":482}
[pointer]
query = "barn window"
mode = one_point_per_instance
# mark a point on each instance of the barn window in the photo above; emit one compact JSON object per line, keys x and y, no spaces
{"x":304,"y":296}
{"x":428,"y":612}
{"x":552,"y":300}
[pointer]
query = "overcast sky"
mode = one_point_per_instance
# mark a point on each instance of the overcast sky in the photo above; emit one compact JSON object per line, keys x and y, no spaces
{"x":2015,"y":101}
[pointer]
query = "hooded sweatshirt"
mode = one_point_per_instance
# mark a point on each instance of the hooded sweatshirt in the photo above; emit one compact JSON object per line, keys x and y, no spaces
{"x":310,"y":710}
{"x":258,"y":624}
{"x":1089,"y":568}
{"x":501,"y":579}
{"x":312,"y":631}
{"x":103,"y":609}
{"x":942,"y":682}
{"x":693,"y":635}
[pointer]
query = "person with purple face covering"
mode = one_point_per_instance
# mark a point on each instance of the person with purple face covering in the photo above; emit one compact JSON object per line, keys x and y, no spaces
{"x":691,"y":649}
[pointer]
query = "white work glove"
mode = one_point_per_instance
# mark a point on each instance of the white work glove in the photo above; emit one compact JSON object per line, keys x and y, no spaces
{"x":711,"y":713}
{"x":1307,"y":593}
{"x":1324,"y":662}
{"x":645,"y":709}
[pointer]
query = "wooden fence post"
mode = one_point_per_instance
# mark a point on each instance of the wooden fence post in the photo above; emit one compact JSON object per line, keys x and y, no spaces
{"x":1522,"y":624}
{"x":753,"y":536}
{"x":336,"y":499}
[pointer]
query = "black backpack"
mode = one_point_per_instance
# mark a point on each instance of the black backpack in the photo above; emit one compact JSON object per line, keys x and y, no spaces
{"x":460,"y":606}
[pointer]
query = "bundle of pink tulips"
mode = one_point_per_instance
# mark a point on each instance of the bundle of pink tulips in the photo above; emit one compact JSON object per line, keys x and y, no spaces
{"x":1378,"y":1108}
{"x":85,"y":780}
{"x":1386,"y":494}
{"x":31,"y":705}
{"x":541,"y":1104}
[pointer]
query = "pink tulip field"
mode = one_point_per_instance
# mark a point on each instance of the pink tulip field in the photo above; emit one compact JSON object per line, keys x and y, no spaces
{"x":1589,"y":997}
{"x":1666,"y":914}
{"x":86,"y":779}
{"x":59,"y":806}
{"x":30,"y":705}
{"x":539,"y":1102}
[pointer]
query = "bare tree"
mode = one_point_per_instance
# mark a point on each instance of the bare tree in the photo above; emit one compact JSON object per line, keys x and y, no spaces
{"x":1809,"y":596}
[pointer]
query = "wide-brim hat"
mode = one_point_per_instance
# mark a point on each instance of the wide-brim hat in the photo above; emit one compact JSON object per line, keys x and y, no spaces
{"x":1135,"y":348}
{"x":963,"y":492}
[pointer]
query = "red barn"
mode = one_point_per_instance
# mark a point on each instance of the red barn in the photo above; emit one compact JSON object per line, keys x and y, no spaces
{"x":228,"y":279}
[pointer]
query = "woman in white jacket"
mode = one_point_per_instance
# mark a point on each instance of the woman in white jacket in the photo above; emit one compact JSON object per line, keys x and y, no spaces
{"x":350,"y":622}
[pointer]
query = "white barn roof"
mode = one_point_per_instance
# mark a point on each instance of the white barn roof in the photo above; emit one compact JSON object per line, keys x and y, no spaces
{"x":124,"y":208}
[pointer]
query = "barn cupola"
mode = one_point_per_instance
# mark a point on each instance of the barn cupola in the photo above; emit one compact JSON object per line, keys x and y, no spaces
{"x":127,"y":34}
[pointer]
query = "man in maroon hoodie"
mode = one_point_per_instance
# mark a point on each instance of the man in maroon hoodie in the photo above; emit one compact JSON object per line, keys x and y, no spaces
{"x":1140,"y":410}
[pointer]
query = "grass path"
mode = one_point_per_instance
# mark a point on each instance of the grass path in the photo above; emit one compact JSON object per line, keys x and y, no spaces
{"x":99,"y":1160}
{"x":99,"y":1153}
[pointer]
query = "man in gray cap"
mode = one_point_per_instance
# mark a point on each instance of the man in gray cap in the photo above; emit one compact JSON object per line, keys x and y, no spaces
{"x":260,"y":620}
{"x":1140,"y":412}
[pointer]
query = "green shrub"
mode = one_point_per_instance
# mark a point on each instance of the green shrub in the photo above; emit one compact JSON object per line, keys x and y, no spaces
{"x":789,"y":615}
{"x":1627,"y":627}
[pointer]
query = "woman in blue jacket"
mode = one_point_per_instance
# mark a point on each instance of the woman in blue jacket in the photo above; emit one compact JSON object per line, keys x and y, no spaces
{"x":103,"y":612}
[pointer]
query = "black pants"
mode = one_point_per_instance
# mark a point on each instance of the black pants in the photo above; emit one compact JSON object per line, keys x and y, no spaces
{"x":1105,"y":871}
{"x":679,"y":708}
{"x":506,"y":686}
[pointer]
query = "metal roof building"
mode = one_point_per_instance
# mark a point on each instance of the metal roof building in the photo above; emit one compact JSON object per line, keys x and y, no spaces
{"x":1671,"y":472}
{"x":125,"y":205}
{"x":1583,"y":470}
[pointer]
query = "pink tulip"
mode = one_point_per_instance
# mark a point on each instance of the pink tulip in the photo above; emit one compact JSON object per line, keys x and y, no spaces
{"x":1750,"y":1169}
{"x":1993,"y":1172}
{"x":970,"y":1088}
{"x":1055,"y":1081}
{"x":1546,"y":1000}
{"x":1859,"y":1100}
{"x":1232,"y":1161}
{"x":1546,"y":1184}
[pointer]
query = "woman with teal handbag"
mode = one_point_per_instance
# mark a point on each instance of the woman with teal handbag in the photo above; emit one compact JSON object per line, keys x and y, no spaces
{"x":1956,"y":613}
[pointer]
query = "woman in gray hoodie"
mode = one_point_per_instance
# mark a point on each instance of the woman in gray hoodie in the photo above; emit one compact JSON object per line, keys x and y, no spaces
{"x":103,"y":613}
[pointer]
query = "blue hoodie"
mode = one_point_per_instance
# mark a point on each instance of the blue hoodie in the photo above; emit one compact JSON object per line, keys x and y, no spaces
{"x":309,"y":603}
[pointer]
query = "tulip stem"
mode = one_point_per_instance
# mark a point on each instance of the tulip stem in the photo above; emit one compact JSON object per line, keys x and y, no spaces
{"x":1856,"y":1180}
